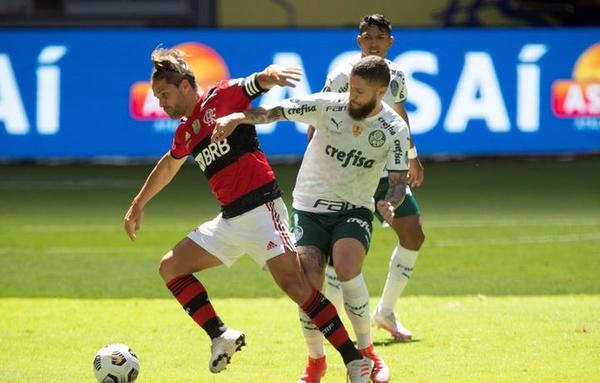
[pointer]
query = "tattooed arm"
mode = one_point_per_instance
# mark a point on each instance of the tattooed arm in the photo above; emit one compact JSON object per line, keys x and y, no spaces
{"x":261,"y":115}
{"x":395,"y":195}
{"x":227,"y":124}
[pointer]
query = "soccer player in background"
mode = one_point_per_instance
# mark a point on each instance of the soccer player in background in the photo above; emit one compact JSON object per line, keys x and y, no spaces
{"x":375,"y":38}
{"x":357,"y":136}
{"x":253,"y":216}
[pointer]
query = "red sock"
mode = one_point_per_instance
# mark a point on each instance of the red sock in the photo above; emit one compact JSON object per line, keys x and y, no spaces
{"x":193,"y":297}
{"x":323,"y":314}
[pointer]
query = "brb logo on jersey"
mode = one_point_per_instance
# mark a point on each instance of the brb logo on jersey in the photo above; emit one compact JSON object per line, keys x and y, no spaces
{"x":211,"y":152}
{"x":208,"y":67}
{"x":579,"y":98}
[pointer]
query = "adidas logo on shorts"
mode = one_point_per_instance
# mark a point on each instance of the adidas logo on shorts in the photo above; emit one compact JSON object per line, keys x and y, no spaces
{"x":271,"y":245}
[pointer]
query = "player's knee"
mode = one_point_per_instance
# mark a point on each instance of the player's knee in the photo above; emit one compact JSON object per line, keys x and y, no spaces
{"x":419,"y":238}
{"x":296,"y":288}
{"x":346,"y":272}
{"x":412,"y":239}
{"x":167,"y":267}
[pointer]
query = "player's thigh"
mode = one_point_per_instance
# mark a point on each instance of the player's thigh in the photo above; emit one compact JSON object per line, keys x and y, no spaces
{"x":351,"y":239}
{"x":313,"y":262}
{"x":312,"y":233}
{"x":185,"y":258}
{"x":219,"y":239}
{"x":287,"y":273}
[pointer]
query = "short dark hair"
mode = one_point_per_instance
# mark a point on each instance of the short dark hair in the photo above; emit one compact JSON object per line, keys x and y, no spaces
{"x":377,"y":20}
{"x":374,"y":69}
{"x":169,"y":65}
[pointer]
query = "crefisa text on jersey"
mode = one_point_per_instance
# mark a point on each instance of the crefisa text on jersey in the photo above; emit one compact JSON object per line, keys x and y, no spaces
{"x":352,"y":155}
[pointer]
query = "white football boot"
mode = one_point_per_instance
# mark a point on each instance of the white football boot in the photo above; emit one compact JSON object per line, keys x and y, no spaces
{"x":388,"y":322}
{"x":223,"y":348}
{"x":359,"y":371}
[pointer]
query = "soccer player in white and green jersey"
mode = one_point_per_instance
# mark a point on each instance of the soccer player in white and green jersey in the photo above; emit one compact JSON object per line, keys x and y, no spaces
{"x":375,"y":38}
{"x":357,"y":136}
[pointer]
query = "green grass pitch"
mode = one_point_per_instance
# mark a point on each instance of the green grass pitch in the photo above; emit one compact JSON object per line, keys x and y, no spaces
{"x":506,"y":287}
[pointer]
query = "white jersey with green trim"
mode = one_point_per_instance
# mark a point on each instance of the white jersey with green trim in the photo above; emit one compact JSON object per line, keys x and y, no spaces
{"x":344,"y":159}
{"x":337,"y":81}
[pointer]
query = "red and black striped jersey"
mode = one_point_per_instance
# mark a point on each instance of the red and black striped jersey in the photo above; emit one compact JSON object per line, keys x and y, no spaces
{"x":237,"y":170}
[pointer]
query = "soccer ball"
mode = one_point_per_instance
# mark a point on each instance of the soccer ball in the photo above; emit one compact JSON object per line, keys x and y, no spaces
{"x":116,"y":363}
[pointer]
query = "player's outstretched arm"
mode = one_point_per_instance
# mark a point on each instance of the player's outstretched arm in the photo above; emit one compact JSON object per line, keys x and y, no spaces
{"x":275,"y":75}
{"x":416,"y":172}
{"x":395,"y":195}
{"x":226,"y":125}
{"x":161,"y":175}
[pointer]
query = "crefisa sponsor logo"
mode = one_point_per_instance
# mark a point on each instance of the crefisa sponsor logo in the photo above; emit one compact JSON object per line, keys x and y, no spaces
{"x":208,"y":67}
{"x":579,"y":98}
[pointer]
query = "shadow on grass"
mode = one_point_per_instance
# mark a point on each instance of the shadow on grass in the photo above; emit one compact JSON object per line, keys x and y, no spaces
{"x":391,"y":341}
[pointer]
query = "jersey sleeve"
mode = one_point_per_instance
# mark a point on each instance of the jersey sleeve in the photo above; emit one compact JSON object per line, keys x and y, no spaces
{"x":251,"y":87}
{"x":308,"y":109}
{"x":178,"y":147}
{"x":239,"y":92}
{"x":398,"y":88}
{"x":336,"y":82}
{"x":398,"y":157}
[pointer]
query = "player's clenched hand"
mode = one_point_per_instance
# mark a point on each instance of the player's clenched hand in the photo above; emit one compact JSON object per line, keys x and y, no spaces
{"x":225,"y":125}
{"x":416,"y":173}
{"x":133,"y":220}
{"x":386,"y":210}
{"x":275,"y":75}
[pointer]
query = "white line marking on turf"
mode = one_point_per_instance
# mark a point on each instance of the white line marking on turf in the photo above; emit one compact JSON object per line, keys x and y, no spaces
{"x":517,"y":240}
{"x":76,"y":250}
{"x":68,"y":184}
{"x":52,"y":228}
{"x":550,"y":221}
{"x":89,"y":228}
{"x":433,"y":243}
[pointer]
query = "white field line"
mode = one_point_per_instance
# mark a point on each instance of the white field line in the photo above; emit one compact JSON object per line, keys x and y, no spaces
{"x":76,"y":228}
{"x":77,"y":250}
{"x":540,"y":239}
{"x":433,"y":243}
{"x":68,"y":184}
{"x":546,"y":222}
{"x":73,"y":228}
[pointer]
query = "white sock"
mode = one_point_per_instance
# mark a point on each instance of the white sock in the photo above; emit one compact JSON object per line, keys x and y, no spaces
{"x":356,"y":301}
{"x":400,"y":269}
{"x":313,"y":337}
{"x":333,"y":289}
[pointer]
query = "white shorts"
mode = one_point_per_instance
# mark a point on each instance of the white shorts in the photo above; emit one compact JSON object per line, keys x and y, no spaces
{"x":261,"y":233}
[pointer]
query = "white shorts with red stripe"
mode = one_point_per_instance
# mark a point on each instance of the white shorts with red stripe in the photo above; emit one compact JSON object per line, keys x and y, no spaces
{"x":261,"y":233}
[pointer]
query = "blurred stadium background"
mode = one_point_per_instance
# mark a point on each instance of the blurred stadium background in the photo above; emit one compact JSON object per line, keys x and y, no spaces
{"x":504,"y":104}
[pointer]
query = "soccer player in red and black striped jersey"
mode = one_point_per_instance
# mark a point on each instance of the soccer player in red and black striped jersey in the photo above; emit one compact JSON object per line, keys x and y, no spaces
{"x":253,"y":218}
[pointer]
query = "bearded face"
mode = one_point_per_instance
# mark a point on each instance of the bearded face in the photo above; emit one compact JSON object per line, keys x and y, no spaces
{"x":360,"y":111}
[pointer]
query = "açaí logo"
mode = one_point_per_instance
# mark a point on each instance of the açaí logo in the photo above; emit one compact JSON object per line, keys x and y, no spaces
{"x":579,"y":98}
